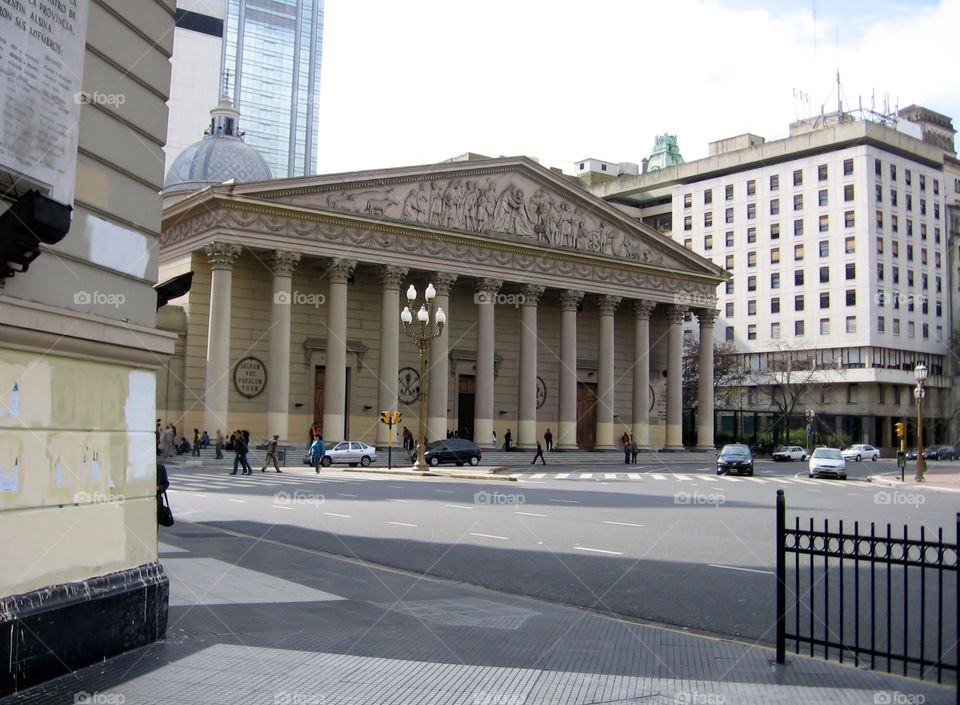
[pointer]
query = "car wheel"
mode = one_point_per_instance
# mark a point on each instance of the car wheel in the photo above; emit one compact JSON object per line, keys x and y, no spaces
{"x":811,"y":474}
{"x":875,"y":456}
{"x":719,"y":471}
{"x":365,"y":461}
{"x":858,"y":457}
{"x":434,"y":461}
{"x":474,"y":460}
{"x":326,"y":461}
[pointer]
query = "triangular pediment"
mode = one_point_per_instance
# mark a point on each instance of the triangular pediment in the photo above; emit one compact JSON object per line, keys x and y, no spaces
{"x":501,"y":198}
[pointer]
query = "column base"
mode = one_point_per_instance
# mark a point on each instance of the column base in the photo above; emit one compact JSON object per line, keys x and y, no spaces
{"x":673,"y":449}
{"x":704,"y":449}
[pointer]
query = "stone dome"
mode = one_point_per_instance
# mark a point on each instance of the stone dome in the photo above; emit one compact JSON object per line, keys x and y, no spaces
{"x":220,"y":156}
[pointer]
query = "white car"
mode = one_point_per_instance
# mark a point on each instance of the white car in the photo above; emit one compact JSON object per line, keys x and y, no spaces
{"x":828,"y":462}
{"x":860,"y":451}
{"x":351,"y":452}
{"x":790,"y":453}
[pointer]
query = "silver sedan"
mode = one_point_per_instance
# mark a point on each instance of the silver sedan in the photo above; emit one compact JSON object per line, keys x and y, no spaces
{"x":352,"y":453}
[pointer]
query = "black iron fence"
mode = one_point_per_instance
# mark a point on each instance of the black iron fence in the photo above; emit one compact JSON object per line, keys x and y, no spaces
{"x":879,"y":598}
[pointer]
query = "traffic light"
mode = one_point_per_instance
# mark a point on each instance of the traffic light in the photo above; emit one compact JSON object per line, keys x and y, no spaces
{"x":900,"y":429}
{"x":385,"y":417}
{"x":396,"y":418}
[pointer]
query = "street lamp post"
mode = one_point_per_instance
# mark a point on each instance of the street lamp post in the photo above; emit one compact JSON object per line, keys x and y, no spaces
{"x":422,"y":338}
{"x":920,"y":372}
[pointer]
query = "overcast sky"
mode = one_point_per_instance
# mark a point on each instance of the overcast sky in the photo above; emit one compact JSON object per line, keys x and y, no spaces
{"x":408,"y":82}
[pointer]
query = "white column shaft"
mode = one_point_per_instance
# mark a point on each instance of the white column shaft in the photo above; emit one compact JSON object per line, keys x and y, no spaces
{"x":278,"y":370}
{"x":567,"y":428}
{"x":705,"y":389}
{"x":527,"y":423}
{"x":641,"y":380}
{"x":674,"y":429}
{"x":335,"y":389}
{"x":440,"y":375}
{"x":218,"y":351}
{"x":605,"y":384}
{"x":389,"y":367}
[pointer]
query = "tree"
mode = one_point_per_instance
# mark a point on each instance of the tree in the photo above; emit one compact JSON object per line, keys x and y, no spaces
{"x":727,"y":373}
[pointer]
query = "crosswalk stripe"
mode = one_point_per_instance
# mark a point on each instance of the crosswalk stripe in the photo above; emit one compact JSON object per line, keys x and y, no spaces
{"x":609,"y":476}
{"x":681,"y":477}
{"x":729,"y":479}
{"x":655,"y":476}
{"x":634,"y":476}
{"x":707,"y":478}
{"x":563,"y":475}
{"x":802,"y":482}
{"x":586,"y":475}
{"x":538,"y":475}
{"x":757,"y":480}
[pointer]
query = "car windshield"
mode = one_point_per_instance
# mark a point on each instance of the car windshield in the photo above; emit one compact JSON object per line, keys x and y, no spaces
{"x":735,"y":452}
{"x":829,"y":453}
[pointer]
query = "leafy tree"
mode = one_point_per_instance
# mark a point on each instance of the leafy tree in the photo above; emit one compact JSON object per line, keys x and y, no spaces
{"x":728,"y":373}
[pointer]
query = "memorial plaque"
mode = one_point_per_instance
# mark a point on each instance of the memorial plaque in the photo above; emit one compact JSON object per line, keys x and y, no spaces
{"x":250,"y":377}
{"x":42,"y":45}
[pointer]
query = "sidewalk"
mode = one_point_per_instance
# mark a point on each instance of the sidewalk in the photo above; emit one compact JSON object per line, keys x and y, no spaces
{"x":256,"y":620}
{"x":940,"y":475}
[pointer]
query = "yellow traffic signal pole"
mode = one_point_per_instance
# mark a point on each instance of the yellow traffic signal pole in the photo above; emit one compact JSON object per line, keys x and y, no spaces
{"x":391,"y":419}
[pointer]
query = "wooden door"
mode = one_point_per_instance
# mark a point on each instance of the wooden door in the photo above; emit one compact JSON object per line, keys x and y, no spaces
{"x":466,"y":396}
{"x":586,"y":415}
{"x":320,"y":377}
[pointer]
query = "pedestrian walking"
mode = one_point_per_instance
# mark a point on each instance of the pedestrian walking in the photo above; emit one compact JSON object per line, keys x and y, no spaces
{"x":317,"y":451}
{"x":548,"y":439}
{"x":539,"y":455}
{"x":196,"y":442}
{"x":240,"y":447}
{"x":219,"y":445}
{"x":507,"y":439}
{"x":493,"y":439}
{"x":633,"y":451}
{"x":271,"y":455}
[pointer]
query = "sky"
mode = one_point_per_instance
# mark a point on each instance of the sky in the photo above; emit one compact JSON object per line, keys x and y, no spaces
{"x":410,"y":82}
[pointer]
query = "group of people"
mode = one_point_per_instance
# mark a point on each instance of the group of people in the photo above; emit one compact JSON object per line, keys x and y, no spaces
{"x":629,"y":449}
{"x":167,"y":443}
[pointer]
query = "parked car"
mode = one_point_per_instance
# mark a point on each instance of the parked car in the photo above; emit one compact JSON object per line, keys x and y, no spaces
{"x":790,"y":453}
{"x":735,"y":457}
{"x":912,"y":454}
{"x":930,"y":452}
{"x":450,"y":450}
{"x":352,"y":453}
{"x":948,"y":453}
{"x":828,"y":462}
{"x":859,"y":451}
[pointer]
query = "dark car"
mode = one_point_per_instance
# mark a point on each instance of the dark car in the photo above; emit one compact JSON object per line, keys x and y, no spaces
{"x":735,"y":457}
{"x":931,"y":452}
{"x":948,"y":453}
{"x":912,"y":454}
{"x":451,"y":450}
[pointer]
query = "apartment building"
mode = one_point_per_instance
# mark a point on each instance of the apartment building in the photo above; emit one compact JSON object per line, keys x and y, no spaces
{"x":837,"y":239}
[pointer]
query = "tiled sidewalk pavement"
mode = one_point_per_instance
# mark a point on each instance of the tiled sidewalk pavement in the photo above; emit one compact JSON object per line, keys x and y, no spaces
{"x":254,"y":621}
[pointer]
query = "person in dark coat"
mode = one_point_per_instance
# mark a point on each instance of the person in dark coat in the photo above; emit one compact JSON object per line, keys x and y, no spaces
{"x":539,"y":455}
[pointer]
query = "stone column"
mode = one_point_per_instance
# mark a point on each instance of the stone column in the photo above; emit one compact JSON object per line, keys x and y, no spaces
{"x":335,"y":389}
{"x":389,"y":369}
{"x":487,"y":290}
{"x":282,"y":264}
{"x":641,"y":372}
{"x":527,"y":422}
{"x":440,"y":362}
{"x":221,"y":256}
{"x":674,"y":430}
{"x":567,"y":428}
{"x":606,"y":374}
{"x":705,"y":429}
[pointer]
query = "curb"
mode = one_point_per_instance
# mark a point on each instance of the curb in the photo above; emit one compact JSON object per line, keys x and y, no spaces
{"x":890,"y":482}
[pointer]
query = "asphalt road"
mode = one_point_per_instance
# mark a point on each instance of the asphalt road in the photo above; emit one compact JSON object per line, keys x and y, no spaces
{"x":674,"y":544}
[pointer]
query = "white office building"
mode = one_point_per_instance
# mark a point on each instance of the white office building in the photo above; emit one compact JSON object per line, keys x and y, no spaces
{"x":837,"y":238}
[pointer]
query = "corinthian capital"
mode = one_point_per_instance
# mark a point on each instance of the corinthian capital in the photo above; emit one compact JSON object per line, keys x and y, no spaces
{"x":391,"y":276}
{"x":570,"y":299}
{"x":531,"y":294}
{"x":643,"y":309}
{"x":608,"y":304}
{"x":283,"y":262}
{"x":341,"y":269}
{"x":676,"y":313}
{"x":490,"y":287}
{"x":707,"y":316}
{"x":443,"y":282}
{"x":222,"y":255}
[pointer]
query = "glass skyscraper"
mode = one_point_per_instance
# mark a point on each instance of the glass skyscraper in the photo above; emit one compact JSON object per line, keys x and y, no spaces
{"x":271,"y":50}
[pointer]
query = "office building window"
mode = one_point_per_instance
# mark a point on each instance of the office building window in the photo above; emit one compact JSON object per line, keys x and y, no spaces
{"x":824,"y":248}
{"x":907,"y":177}
{"x":881,"y":324}
{"x":848,"y":192}
{"x":729,"y":286}
{"x":708,"y":219}
{"x":774,"y":182}
{"x":752,"y":187}
{"x":688,"y":222}
{"x":938,"y":309}
{"x":879,"y":194}
{"x":923,"y":183}
{"x":798,"y":277}
{"x":895,"y":249}
{"x":847,"y":167}
{"x":850,"y":270}
{"x":775,"y":206}
{"x":708,"y":242}
{"x":798,"y":177}
{"x":879,"y":220}
{"x":728,"y":192}
{"x":728,"y":238}
{"x":849,"y":219}
{"x":923,"y":232}
{"x":798,"y":227}
{"x":896,"y":327}
{"x":824,"y":275}
{"x":911,"y":329}
{"x":775,"y":255}
{"x":728,"y":334}
{"x":728,"y":215}
{"x":687,"y":200}
{"x":893,"y":197}
{"x":751,"y":211}
{"x":729,"y":262}
{"x":822,"y":197}
{"x":798,"y":328}
{"x":909,"y":253}
{"x":729,"y":309}
{"x":851,"y":295}
{"x":752,"y":258}
{"x":822,"y":172}
{"x":936,"y":187}
{"x":895,"y":274}
{"x":851,"y":325}
{"x":751,"y":235}
{"x":752,"y":307}
{"x":909,"y":227}
{"x":923,"y":255}
{"x":824,"y":299}
{"x":824,"y":224}
{"x":923,"y":206}
{"x":894,"y":224}
{"x":798,"y":252}
{"x":688,"y":243}
{"x":880,"y":271}
{"x":708,"y":196}
{"x":909,"y":203}
{"x":752,"y":331}
{"x":775,"y":304}
{"x":775,"y":280}
{"x":824,"y":326}
{"x":850,"y":244}
{"x":893,"y":172}
{"x":877,"y":168}
{"x":879,"y":245}
{"x":752,"y":282}
{"x":774,"y":330}
{"x":798,"y":202}
{"x":798,"y":302}
{"x":774,"y":231}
